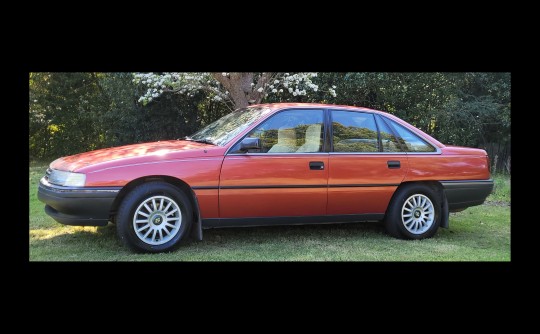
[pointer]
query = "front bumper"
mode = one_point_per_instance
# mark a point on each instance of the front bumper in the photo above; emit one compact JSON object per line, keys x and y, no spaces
{"x":77,"y":205}
{"x":465,"y":193}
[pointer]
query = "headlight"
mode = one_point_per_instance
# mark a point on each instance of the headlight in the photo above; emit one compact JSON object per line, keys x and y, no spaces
{"x":67,"y":179}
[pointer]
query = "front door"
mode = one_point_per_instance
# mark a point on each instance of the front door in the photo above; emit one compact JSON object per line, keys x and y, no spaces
{"x":287,"y":177}
{"x":365,"y":166}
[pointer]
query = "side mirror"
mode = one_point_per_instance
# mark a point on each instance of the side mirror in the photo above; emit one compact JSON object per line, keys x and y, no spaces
{"x":250,"y":144}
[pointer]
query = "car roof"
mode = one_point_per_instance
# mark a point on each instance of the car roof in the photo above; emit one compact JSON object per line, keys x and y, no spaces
{"x":275,"y":106}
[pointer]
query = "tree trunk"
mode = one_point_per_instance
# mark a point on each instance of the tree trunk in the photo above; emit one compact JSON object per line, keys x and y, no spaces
{"x":239,"y":86}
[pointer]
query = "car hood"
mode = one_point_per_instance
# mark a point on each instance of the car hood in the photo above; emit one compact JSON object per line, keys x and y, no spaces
{"x":137,"y":153}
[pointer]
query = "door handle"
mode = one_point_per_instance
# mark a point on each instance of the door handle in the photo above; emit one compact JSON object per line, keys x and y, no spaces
{"x":316,"y":165}
{"x":394,"y":164}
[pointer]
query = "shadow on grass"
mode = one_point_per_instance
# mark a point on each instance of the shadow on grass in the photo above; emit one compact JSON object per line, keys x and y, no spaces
{"x":271,"y":234}
{"x":105,"y":238}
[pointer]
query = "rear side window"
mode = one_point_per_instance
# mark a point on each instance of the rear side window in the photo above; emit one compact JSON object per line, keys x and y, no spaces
{"x":354,"y":132}
{"x":389,"y":142}
{"x":412,"y":141}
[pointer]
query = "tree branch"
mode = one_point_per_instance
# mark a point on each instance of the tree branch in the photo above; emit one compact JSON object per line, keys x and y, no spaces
{"x":257,"y":96}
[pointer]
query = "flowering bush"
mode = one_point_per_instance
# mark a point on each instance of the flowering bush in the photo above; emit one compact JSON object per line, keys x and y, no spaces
{"x":234,"y":89}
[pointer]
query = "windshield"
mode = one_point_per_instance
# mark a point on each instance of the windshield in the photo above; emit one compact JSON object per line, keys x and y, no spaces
{"x":227,"y":127}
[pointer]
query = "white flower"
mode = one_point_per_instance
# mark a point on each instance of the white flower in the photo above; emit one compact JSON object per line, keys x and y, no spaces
{"x":294,"y":93}
{"x":188,"y":83}
{"x":334,"y":87}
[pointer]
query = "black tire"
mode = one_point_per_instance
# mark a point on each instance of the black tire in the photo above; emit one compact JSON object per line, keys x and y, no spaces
{"x":126,"y":211}
{"x":394,"y":222}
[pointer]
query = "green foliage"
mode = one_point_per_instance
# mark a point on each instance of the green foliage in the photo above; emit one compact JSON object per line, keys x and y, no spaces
{"x":478,"y":111}
{"x":501,"y":189}
{"x":62,"y":113}
{"x":75,"y":112}
{"x":469,"y":109}
{"x":128,"y":122}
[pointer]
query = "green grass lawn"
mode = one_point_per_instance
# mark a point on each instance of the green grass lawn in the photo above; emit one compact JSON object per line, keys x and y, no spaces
{"x":479,"y":233}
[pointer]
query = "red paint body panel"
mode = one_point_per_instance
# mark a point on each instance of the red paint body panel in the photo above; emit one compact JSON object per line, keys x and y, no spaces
{"x":295,"y":202}
{"x":455,"y":163}
{"x":133,"y":154}
{"x":363,"y":170}
{"x":347,"y":201}
{"x":273,"y":171}
{"x":208,"y":202}
{"x":196,"y":172}
{"x":263,"y":185}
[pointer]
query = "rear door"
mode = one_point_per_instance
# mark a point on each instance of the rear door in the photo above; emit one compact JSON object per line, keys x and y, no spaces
{"x":365,"y":165}
{"x":287,"y":177}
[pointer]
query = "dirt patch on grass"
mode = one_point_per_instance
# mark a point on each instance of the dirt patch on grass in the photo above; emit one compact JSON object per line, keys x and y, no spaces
{"x":497,"y":203}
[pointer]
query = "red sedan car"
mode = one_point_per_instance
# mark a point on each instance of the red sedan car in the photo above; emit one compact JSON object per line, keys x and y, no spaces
{"x":270,"y":165}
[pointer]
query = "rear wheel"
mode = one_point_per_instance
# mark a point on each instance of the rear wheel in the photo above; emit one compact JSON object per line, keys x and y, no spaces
{"x":154,"y":217}
{"x":414,"y":213}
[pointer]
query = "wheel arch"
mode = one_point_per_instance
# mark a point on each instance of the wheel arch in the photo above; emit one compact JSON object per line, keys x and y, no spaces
{"x":196,"y":231}
{"x":439,"y":189}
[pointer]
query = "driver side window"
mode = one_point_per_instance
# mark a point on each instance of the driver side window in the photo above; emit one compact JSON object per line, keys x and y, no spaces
{"x":290,"y":131}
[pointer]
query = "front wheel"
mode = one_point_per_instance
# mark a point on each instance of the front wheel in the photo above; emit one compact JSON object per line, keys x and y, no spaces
{"x":414,"y":213}
{"x":154,"y":217}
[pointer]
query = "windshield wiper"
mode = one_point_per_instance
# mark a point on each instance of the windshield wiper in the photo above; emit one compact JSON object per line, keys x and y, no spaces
{"x":204,"y":140}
